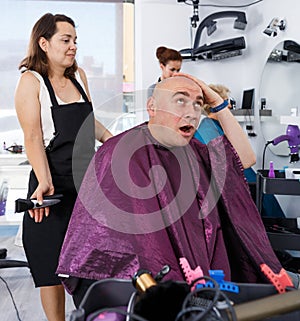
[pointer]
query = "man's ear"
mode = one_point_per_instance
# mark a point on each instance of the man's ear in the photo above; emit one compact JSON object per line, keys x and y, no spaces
{"x":151,"y":106}
{"x":43,"y":44}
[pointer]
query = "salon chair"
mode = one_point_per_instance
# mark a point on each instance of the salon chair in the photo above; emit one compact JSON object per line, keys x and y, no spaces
{"x":8,"y":263}
{"x":106,"y":293}
{"x":4,"y":263}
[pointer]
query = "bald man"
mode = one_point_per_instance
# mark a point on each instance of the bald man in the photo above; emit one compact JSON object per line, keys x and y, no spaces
{"x":155,"y":194}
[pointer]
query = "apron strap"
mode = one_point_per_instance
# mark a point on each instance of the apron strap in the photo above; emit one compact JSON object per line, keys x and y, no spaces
{"x":55,"y":103}
{"x":52,"y":94}
{"x":80,"y":89}
{"x":51,"y":91}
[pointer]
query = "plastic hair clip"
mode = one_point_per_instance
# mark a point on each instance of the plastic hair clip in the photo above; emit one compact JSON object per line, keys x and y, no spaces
{"x":190,"y":275}
{"x":218,"y":276}
{"x":280,"y":280}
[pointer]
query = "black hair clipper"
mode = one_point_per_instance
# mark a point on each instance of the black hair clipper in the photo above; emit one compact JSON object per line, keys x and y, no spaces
{"x":22,"y":204}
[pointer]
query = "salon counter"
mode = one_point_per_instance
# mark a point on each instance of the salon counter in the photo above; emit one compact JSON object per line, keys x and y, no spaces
{"x":15,"y":178}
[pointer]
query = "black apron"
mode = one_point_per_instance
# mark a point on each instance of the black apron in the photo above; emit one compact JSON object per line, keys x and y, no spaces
{"x":68,"y":154}
{"x":73,"y":145}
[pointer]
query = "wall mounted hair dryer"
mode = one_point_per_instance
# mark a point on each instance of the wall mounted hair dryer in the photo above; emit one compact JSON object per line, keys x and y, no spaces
{"x":274,"y":25}
{"x":292,"y":136}
{"x":220,"y":49}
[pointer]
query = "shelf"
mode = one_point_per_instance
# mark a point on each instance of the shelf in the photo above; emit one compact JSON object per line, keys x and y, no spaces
{"x":242,"y":112}
{"x":244,"y":115}
{"x":244,"y":119}
{"x":10,"y":217}
{"x":278,"y":185}
{"x":290,"y":241}
{"x":290,"y":120}
{"x":283,"y":233}
{"x":7,"y":158}
{"x":265,"y":112}
{"x":250,"y":112}
{"x":17,"y":178}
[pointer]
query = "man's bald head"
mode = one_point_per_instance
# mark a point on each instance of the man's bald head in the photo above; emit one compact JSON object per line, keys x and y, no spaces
{"x":174,"y":110}
{"x":172,"y":82}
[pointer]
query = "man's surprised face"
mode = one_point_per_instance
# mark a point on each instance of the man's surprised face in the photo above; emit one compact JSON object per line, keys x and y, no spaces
{"x":177,"y":103}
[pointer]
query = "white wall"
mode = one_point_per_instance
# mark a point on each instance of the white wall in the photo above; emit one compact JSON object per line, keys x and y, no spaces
{"x":167,"y":23}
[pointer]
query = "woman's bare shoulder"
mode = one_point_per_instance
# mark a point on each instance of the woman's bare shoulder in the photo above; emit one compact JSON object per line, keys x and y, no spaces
{"x":29,"y":78}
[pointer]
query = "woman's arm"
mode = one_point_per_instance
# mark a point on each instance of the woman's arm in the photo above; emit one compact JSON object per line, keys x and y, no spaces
{"x":29,"y":114}
{"x":101,"y":132}
{"x":237,"y":137}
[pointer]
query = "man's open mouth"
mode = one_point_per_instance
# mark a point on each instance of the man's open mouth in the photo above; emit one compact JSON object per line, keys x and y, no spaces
{"x":186,"y":128}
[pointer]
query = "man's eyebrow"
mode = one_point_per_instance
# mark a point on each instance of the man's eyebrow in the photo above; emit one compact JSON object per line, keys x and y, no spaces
{"x":184,"y":93}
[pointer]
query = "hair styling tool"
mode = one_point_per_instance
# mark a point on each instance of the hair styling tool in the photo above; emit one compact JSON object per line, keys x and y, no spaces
{"x":292,"y":136}
{"x":22,"y":204}
{"x":157,"y":301}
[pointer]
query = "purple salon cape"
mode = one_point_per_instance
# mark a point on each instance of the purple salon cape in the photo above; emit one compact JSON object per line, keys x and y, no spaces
{"x":142,"y":205}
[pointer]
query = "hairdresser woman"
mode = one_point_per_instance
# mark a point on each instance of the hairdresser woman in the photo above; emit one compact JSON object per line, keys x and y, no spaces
{"x":54,"y":109}
{"x":170,"y":61}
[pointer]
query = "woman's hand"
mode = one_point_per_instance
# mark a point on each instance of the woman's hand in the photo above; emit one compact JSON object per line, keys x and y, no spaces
{"x":39,"y":213}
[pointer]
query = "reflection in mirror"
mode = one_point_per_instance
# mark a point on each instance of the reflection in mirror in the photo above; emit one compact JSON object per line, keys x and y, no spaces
{"x":279,"y":92}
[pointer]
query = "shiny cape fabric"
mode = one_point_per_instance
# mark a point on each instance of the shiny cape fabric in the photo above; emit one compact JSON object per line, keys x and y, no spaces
{"x":142,"y":205}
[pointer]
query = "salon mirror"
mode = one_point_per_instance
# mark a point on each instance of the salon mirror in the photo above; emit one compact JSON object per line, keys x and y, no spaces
{"x":279,"y":89}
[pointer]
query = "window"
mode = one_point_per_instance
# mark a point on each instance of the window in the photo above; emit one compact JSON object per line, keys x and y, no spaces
{"x":101,"y":52}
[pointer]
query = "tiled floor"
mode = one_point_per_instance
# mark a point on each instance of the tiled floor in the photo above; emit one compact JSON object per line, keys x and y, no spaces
{"x":24,"y":298}
{"x":19,"y":299}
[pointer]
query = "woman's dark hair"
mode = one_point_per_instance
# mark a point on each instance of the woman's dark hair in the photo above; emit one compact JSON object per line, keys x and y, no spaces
{"x":36,"y":58}
{"x":164,"y":55}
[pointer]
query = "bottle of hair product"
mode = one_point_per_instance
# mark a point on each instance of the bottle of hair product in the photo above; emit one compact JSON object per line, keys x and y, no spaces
{"x":3,"y":148}
{"x":3,"y":196}
{"x":271,"y":173}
